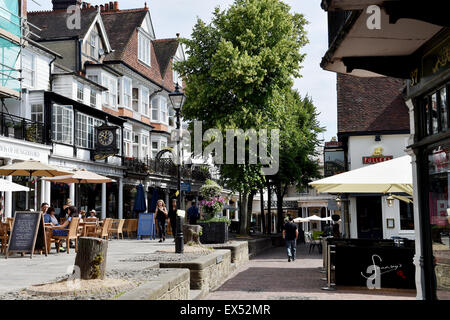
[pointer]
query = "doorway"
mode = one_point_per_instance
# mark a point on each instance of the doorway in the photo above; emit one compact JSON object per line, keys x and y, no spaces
{"x":369,"y":217}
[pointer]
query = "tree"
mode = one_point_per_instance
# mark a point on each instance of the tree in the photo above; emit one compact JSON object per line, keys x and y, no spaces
{"x":298,"y":145}
{"x":238,"y":71}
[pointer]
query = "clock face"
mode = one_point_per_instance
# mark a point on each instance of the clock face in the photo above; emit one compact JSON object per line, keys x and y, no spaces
{"x":105,"y":137}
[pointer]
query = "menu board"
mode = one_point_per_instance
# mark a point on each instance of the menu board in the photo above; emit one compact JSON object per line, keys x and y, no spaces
{"x":146,"y":227}
{"x":27,"y":233}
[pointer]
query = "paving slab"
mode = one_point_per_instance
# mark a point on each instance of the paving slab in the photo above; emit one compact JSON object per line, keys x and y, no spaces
{"x":269,"y":276}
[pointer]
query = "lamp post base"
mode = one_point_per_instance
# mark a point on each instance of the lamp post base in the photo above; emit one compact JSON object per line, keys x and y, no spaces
{"x":179,"y":238}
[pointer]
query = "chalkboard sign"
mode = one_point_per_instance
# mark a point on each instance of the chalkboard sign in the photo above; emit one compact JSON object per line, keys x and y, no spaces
{"x":27,"y":233}
{"x":146,"y":227}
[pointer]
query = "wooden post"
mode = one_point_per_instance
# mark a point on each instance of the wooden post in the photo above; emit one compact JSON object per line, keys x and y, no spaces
{"x":91,"y":257}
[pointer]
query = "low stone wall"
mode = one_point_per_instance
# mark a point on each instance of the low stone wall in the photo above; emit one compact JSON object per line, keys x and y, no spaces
{"x":174,"y":285}
{"x":256,"y":246}
{"x":239,"y":251}
{"x":206,"y":272}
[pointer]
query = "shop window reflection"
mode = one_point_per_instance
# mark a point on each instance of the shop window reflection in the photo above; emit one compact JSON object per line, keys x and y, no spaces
{"x":439,"y":211}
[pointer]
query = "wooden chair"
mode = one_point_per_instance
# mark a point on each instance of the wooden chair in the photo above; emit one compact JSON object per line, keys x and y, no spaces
{"x":117,"y":227}
{"x":130,"y":226}
{"x":72,"y":234}
{"x":3,"y":237}
{"x":91,"y":219}
{"x":103,"y":231}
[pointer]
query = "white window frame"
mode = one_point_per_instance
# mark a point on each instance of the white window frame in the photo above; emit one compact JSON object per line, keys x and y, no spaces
{"x":37,"y":115}
{"x":164,"y":117}
{"x":144,"y":146}
{"x":110,"y":96}
{"x":93,"y":78}
{"x":155,"y":108}
{"x":145,"y":96}
{"x":93,"y":98}
{"x":135,"y":99}
{"x":127,"y":92}
{"x":144,"y":49}
{"x":93,"y":45}
{"x":28,"y":69}
{"x":127,"y":142}
{"x":80,"y":93}
{"x":155,"y":151}
{"x":62,"y":124}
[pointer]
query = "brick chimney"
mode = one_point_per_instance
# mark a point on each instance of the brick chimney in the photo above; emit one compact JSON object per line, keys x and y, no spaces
{"x":64,"y":4}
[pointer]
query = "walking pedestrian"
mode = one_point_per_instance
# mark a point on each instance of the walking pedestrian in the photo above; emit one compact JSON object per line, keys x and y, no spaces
{"x":161,"y":215}
{"x":193,"y":213}
{"x":290,"y":235}
{"x":173,"y":217}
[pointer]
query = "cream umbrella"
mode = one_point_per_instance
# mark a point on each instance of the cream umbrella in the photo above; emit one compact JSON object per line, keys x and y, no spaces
{"x":297,"y":220}
{"x":81,"y":176}
{"x":30,"y":168}
{"x":314,"y":218}
{"x":393,"y":176}
{"x":8,"y":186}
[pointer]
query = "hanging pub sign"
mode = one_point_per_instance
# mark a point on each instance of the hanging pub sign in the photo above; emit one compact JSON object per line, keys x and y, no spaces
{"x":377,"y":157}
{"x":105,"y":142}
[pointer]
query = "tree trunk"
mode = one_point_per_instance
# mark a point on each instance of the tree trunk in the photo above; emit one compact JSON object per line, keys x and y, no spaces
{"x":250,"y":210}
{"x":191,"y":233}
{"x":243,"y":215}
{"x":269,"y":208}
{"x":91,"y":258}
{"x":263,"y":216}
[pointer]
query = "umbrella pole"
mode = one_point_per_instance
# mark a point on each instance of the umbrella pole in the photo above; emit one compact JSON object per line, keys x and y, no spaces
{"x":29,"y":192}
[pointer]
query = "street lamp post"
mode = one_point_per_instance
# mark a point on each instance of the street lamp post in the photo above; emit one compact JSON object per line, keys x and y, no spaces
{"x":177,"y":99}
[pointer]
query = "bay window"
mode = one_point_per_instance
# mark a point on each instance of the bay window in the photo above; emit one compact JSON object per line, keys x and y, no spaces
{"x":110,"y":96}
{"x":163,"y":106}
{"x":144,"y":147}
{"x":80,"y":92}
{"x":155,"y":148}
{"x":160,"y":111}
{"x":62,"y":124}
{"x":93,"y":98}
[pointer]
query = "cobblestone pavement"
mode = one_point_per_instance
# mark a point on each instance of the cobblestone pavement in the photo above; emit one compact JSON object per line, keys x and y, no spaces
{"x":269,"y":276}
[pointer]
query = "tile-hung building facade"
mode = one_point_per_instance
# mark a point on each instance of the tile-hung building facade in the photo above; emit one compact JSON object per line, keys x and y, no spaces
{"x":72,"y":108}
{"x":148,"y":78}
{"x":113,"y":70}
{"x":408,"y":40}
{"x":373,"y":126}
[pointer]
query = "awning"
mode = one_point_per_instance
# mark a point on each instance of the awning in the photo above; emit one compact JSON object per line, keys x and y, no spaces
{"x":393,"y":176}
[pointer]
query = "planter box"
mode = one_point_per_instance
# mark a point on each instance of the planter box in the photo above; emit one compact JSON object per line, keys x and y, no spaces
{"x":214,"y":232}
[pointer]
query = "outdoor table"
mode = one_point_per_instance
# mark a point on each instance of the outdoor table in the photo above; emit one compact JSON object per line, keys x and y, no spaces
{"x":85,"y":226}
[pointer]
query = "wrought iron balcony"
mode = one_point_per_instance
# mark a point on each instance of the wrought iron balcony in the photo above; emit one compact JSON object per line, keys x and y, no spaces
{"x":165,"y":167}
{"x":21,"y":128}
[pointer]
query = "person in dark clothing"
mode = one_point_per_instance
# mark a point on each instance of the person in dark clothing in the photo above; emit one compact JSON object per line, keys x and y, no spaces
{"x":193,"y":214}
{"x":161,"y":215}
{"x":290,"y":235}
{"x":173,"y":216}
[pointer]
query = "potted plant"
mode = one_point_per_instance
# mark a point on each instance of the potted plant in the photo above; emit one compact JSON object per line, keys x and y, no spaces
{"x":215,"y":226}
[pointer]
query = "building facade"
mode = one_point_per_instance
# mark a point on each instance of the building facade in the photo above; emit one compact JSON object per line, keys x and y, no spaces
{"x":411,"y":42}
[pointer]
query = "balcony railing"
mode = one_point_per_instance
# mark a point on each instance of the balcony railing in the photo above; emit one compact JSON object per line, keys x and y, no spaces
{"x":165,"y":167}
{"x":21,"y":128}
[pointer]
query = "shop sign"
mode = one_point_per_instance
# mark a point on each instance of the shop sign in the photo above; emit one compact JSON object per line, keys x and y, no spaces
{"x":186,"y":187}
{"x":377,"y":157}
{"x":333,"y":144}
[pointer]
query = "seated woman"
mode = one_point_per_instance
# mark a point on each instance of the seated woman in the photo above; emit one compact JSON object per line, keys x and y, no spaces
{"x":50,"y":217}
{"x":63,"y":230}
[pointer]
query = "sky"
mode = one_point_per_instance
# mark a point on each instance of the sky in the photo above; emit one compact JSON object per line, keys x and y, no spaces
{"x":179,"y":16}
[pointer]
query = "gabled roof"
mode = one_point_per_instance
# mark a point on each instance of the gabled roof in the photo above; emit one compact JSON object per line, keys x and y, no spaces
{"x":54,"y":24}
{"x":165,"y":49}
{"x":120,"y":26}
{"x":371,"y":105}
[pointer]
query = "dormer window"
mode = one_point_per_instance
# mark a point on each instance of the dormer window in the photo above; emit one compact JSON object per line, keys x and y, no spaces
{"x":144,"y":49}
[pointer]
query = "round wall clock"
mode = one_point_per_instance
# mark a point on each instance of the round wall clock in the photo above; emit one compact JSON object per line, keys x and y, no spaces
{"x":105,"y":137}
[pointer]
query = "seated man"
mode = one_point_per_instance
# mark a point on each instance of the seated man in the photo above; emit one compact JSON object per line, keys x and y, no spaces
{"x":92,"y":214}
